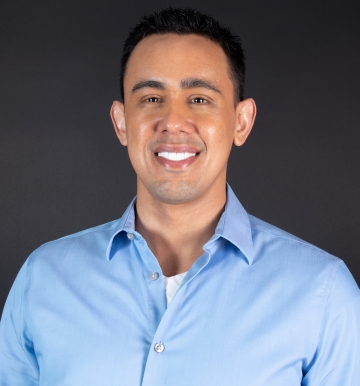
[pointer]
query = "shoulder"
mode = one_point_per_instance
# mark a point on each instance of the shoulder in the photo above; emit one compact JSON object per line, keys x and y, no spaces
{"x":303,"y":270}
{"x":286,"y":245}
{"x":89,"y":242}
{"x":298,"y":263}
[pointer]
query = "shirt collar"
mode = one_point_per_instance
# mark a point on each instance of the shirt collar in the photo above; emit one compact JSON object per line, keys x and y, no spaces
{"x":125,"y":224}
{"x":234,"y":226}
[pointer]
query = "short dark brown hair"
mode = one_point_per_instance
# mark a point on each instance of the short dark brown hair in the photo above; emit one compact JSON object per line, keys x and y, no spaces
{"x":184,"y":21}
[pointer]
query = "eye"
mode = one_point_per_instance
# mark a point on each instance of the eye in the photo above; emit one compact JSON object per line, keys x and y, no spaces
{"x":198,"y":100}
{"x":153,"y":100}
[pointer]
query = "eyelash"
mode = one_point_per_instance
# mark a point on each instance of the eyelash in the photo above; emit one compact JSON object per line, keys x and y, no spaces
{"x":192,"y":100}
{"x":202,"y":99}
{"x":153,"y":101}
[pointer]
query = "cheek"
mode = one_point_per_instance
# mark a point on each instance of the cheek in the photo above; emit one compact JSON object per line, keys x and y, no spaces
{"x":139,"y":138}
{"x":135,"y":134}
{"x":140,"y":126}
{"x":220,"y":138}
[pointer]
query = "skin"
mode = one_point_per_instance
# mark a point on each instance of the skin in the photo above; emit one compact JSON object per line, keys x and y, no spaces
{"x":179,"y":98}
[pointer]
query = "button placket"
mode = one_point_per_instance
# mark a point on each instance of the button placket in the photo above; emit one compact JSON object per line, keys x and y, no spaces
{"x":155,"y":297}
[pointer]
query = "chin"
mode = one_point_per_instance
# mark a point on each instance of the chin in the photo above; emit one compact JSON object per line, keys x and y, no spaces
{"x":174,"y":193}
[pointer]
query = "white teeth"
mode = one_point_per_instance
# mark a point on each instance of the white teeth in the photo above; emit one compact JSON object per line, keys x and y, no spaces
{"x":175,"y":156}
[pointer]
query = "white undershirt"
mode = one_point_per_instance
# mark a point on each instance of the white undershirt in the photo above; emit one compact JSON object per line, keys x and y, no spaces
{"x":172,"y":284}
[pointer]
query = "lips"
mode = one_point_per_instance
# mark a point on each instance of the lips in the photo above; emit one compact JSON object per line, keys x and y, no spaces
{"x":176,"y":156}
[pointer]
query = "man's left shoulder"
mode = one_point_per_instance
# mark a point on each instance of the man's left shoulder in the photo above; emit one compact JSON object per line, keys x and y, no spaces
{"x":286,"y":244}
{"x":287,"y":258}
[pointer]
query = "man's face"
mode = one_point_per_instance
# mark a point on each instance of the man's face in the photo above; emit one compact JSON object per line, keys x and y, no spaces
{"x":179,"y":119}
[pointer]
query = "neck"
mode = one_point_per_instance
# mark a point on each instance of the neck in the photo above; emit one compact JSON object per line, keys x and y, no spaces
{"x":176,"y":233}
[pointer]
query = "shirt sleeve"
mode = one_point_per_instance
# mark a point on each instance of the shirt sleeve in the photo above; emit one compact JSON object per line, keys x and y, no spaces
{"x":18,"y":364}
{"x":337,"y":358}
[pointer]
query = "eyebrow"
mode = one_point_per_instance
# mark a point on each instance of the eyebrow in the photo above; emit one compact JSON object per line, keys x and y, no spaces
{"x":148,"y":83}
{"x":195,"y":83}
{"x":185,"y":84}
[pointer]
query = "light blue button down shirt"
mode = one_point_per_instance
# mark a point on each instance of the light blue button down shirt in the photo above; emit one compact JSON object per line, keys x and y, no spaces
{"x":259,"y":307}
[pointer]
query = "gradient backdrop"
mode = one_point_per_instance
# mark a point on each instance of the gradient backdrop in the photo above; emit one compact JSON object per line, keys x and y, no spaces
{"x":63,"y":170}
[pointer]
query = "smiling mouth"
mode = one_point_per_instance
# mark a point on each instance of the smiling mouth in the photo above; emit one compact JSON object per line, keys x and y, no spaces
{"x":176,"y":156}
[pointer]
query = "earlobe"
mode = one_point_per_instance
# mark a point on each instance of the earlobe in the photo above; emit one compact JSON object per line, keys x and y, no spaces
{"x":117,"y":115}
{"x":245,"y":117}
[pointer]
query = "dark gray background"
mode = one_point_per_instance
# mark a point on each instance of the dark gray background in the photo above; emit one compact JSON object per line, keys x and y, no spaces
{"x":63,"y":170}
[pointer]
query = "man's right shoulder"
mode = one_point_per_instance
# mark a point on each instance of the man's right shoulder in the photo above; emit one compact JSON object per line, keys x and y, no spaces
{"x":92,"y":241}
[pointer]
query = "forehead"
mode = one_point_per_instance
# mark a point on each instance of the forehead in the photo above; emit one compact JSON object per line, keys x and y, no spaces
{"x":174,"y":57}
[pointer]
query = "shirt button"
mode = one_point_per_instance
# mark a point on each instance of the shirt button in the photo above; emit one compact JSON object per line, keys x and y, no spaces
{"x":130,"y":236}
{"x":154,"y":276}
{"x":159,"y":347}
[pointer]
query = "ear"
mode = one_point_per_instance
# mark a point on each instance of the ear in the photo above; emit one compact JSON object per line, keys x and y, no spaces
{"x":245,"y":117}
{"x":117,"y":114}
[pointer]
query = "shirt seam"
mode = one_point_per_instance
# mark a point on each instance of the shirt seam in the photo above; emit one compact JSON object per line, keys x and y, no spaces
{"x":333,"y":275}
{"x":19,"y":372}
{"x":24,"y":316}
{"x":78,"y":235}
{"x":296,"y":240}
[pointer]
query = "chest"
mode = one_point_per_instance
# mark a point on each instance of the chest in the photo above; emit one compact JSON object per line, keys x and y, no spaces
{"x":216,"y":331}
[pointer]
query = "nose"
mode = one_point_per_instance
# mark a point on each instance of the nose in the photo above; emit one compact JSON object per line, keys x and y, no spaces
{"x":175,"y":119}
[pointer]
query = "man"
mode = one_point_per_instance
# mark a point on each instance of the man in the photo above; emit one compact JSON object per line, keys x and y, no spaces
{"x":186,"y":288}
